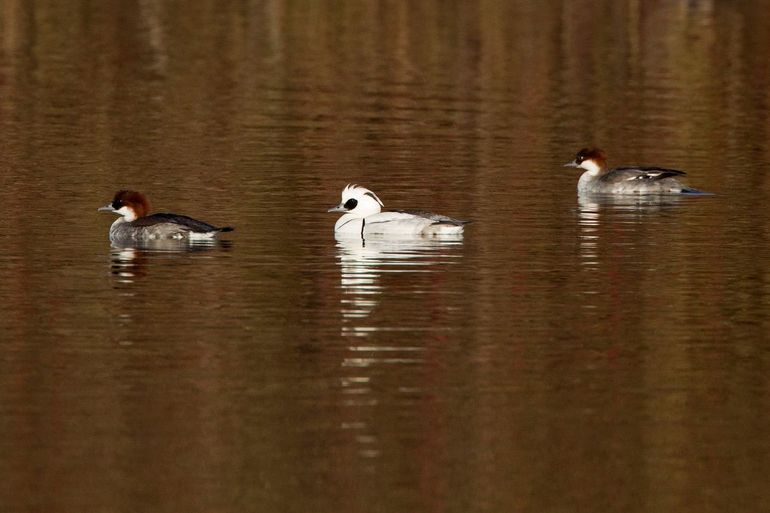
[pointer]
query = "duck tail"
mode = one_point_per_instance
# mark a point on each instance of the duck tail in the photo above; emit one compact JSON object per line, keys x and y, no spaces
{"x":695,"y":192}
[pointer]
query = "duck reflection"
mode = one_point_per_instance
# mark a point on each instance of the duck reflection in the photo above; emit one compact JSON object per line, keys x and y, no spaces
{"x":129,"y":262}
{"x":363,"y":262}
{"x":624,"y":209}
{"x":611,"y":227}
{"x":367,"y":268}
{"x":631,"y":203}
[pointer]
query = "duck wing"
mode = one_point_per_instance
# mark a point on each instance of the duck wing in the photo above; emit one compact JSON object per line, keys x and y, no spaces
{"x":436,"y":218}
{"x":652,"y":174}
{"x":184,"y":222}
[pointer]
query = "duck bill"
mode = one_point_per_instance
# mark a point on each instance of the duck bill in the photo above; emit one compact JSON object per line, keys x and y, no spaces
{"x":338,"y":208}
{"x":106,"y":208}
{"x":572,"y":164}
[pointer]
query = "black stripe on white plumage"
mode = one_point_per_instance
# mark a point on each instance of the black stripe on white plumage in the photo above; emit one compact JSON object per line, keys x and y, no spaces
{"x":363,"y":216}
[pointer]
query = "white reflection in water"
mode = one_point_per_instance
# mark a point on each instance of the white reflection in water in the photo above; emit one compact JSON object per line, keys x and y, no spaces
{"x":362,"y":264}
{"x":129,"y":261}
{"x":621,"y":208}
{"x":132,"y":263}
{"x":594,"y":210}
{"x":588,"y":221}
{"x":362,"y":267}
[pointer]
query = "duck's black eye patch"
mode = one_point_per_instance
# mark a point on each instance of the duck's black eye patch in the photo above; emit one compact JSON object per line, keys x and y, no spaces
{"x":117,"y":204}
{"x":351,"y":204}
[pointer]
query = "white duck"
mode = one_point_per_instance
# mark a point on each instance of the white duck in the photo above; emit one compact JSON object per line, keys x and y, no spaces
{"x":363,"y":216}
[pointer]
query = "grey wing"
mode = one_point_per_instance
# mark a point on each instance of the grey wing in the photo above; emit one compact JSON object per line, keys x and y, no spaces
{"x":652,"y":174}
{"x":436,"y":218}
{"x":184,"y":222}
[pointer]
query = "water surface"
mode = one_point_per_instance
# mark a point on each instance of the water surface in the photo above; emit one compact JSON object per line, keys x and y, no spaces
{"x":567,"y":353}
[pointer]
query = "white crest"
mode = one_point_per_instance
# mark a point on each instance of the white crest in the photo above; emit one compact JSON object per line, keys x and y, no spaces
{"x":359,"y":201}
{"x":356,"y":191}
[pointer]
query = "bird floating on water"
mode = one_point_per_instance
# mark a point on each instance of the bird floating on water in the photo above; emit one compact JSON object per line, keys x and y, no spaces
{"x":134,"y":223}
{"x":363,"y":215}
{"x":598,"y":179}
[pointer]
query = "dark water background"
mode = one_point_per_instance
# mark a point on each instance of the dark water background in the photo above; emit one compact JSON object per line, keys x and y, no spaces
{"x":567,"y":355}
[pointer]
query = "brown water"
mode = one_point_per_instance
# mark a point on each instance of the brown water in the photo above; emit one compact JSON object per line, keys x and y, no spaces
{"x":566,"y":355}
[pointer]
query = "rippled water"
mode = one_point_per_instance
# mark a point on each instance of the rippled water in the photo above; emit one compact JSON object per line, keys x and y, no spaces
{"x":567,"y":353}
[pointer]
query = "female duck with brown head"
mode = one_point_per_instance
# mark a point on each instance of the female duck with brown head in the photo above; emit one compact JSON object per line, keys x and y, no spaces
{"x":598,"y":179}
{"x":136,"y":225}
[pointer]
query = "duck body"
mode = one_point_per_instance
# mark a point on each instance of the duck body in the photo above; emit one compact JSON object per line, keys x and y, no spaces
{"x":634,"y":180}
{"x":398,"y":222}
{"x":163,"y":226}
{"x":598,"y":179}
{"x":363,"y":216}
{"x":135,"y":224}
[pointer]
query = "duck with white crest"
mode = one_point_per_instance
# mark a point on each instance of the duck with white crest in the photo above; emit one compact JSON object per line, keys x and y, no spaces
{"x":363,"y":216}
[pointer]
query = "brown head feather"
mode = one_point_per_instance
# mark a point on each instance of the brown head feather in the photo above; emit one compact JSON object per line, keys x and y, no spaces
{"x":594,"y":154}
{"x":132,"y":199}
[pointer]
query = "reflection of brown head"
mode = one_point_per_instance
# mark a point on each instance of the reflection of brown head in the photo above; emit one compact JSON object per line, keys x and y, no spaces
{"x":136,"y":201}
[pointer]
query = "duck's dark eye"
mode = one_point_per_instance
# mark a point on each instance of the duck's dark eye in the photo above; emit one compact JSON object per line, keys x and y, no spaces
{"x":351,"y":204}
{"x":117,"y":204}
